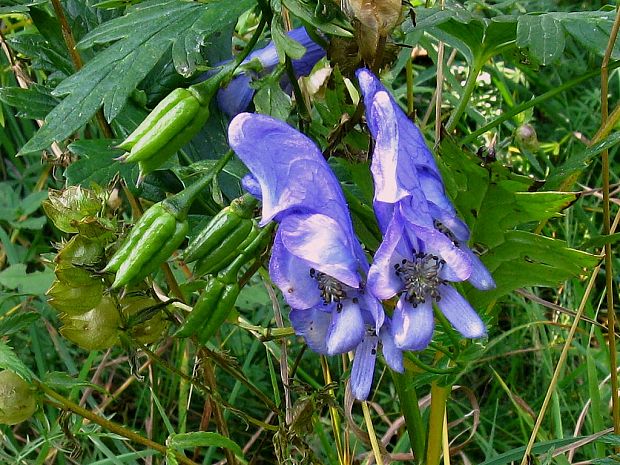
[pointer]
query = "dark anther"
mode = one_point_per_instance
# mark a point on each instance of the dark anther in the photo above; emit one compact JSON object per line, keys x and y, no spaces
{"x":374,"y":351}
{"x":355,"y":300}
{"x":331,"y":289}
{"x":420,"y":278}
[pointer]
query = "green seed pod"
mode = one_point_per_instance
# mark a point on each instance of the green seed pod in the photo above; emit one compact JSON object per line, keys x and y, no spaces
{"x":75,"y":300}
{"x":136,"y":234}
{"x":220,"y":313}
{"x":152,"y":326}
{"x":162,"y":108}
{"x":165,"y":129}
{"x":96,"y":329}
{"x":233,"y":220}
{"x":206,"y":303}
{"x":156,"y":236}
{"x":17,"y":399}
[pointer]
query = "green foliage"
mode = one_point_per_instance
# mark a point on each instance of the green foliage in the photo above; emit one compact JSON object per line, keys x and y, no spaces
{"x":139,"y":40}
{"x":534,"y":212}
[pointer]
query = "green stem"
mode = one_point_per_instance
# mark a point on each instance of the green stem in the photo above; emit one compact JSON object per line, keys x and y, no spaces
{"x":410,"y":409}
{"x":179,"y":204}
{"x":110,"y":425}
{"x":470,"y":85}
{"x":439,"y":397}
{"x":372,"y":434}
{"x":535,"y":101}
{"x":299,"y":97}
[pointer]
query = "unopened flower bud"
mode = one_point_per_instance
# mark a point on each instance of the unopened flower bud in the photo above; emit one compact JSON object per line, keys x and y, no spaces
{"x":525,"y":136}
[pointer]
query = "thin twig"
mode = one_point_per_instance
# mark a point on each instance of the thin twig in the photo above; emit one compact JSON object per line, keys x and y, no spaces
{"x":611,"y":313}
{"x":110,"y":425}
{"x":284,"y":370}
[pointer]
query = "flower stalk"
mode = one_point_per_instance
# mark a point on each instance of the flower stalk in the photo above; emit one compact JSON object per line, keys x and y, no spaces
{"x":439,"y":398}
{"x":408,"y":399}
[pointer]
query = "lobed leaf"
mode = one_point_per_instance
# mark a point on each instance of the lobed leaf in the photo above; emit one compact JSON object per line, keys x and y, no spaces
{"x":140,"y":39}
{"x":498,"y":206}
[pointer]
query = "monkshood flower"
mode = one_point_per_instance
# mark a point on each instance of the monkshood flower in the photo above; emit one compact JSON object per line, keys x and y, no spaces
{"x":425,"y":243}
{"x":236,"y":97}
{"x":316,"y":260}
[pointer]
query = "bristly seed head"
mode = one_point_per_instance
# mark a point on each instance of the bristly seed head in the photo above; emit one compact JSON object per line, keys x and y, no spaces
{"x":420,"y":277}
{"x":331,"y":289}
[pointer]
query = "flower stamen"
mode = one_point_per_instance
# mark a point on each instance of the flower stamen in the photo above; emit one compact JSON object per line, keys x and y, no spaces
{"x":331,"y":289}
{"x":420,"y":277}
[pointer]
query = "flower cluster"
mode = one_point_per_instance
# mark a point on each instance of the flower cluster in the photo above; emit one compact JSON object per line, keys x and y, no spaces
{"x":317,"y":261}
{"x":236,"y":97}
{"x":316,"y":258}
{"x":425,"y":243}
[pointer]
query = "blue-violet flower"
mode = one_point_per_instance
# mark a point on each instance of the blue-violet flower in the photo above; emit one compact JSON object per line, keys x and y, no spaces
{"x":316,"y":260}
{"x":236,"y":97}
{"x":425,"y":243}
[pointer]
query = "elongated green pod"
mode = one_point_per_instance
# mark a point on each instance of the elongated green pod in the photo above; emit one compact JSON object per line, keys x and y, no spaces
{"x":165,"y":130}
{"x":136,"y":233}
{"x":214,"y":234}
{"x":206,"y":303}
{"x":172,"y":99}
{"x":154,"y":238}
{"x":220,"y":313}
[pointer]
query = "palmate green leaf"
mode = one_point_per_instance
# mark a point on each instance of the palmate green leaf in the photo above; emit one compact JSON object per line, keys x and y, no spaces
{"x":543,"y":35}
{"x":35,"y":283}
{"x":33,"y":103}
{"x":18,"y":6}
{"x":139,"y":40}
{"x":96,"y":163}
{"x":496,"y":202}
{"x":475,"y":37}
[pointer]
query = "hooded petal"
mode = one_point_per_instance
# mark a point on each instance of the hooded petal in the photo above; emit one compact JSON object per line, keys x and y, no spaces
{"x":346,"y":329}
{"x":413,"y":326}
{"x":394,"y":171}
{"x":460,"y":313}
{"x":292,"y":275}
{"x":363,"y":368}
{"x":322,"y":243}
{"x":393,"y":355}
{"x":480,"y":277}
{"x":312,"y":324}
{"x":291,"y":171}
{"x":314,"y":52}
{"x":412,"y":147}
{"x":236,"y":96}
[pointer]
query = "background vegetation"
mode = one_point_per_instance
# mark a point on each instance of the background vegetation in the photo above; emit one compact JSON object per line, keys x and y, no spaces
{"x":527,"y":144}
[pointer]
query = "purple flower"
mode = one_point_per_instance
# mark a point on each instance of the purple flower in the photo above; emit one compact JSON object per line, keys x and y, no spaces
{"x":316,"y":260}
{"x":236,"y":97}
{"x":425,"y":243}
